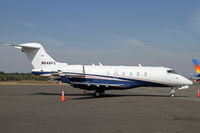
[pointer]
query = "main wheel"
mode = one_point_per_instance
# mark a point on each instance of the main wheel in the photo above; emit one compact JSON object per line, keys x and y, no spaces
{"x":97,"y":94}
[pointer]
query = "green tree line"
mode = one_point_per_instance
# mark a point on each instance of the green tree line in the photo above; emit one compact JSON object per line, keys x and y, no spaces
{"x":20,"y":76}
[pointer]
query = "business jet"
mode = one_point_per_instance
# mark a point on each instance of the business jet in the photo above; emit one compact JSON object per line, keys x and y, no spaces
{"x":99,"y":78}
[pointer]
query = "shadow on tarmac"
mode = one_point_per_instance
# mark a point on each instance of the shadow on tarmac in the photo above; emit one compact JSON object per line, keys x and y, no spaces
{"x":92,"y":96}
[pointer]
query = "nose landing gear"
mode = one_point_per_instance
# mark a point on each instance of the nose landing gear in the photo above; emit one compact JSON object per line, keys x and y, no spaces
{"x":172,"y":92}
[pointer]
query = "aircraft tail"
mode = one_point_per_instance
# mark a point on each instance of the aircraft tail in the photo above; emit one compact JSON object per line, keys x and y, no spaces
{"x":37,"y":55}
{"x":196,"y":65}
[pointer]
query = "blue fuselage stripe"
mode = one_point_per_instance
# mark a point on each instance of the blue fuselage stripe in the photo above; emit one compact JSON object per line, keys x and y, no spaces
{"x":104,"y":79}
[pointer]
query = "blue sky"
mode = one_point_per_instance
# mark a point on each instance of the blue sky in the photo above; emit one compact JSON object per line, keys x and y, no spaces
{"x":113,"y":32}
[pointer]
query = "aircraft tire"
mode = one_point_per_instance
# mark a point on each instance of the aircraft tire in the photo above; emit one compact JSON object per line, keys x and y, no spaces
{"x":97,"y":93}
{"x":172,"y":95}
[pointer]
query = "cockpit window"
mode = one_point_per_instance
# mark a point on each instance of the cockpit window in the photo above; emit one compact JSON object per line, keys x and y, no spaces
{"x":171,"y":71}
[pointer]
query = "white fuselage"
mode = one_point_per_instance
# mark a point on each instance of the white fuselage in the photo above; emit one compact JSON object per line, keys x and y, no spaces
{"x":157,"y":75}
{"x":99,"y":77}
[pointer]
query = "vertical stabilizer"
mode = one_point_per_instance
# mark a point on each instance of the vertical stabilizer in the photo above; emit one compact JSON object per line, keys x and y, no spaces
{"x":37,"y":55}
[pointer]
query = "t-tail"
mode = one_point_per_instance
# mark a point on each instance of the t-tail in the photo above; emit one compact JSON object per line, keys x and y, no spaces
{"x":37,"y":55}
{"x":43,"y":64}
{"x":197,"y":67}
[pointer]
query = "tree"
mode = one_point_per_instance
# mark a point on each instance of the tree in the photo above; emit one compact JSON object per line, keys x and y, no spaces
{"x":4,"y":78}
{"x":2,"y":73}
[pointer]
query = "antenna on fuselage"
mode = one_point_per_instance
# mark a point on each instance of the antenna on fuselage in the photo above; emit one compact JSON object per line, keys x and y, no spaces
{"x":100,"y":64}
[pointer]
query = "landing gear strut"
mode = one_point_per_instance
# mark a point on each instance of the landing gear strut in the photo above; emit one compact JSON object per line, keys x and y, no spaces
{"x":172,"y":92}
{"x":99,"y":93}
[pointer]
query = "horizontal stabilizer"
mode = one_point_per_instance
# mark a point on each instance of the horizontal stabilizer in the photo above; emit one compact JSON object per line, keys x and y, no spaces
{"x":25,"y":45}
{"x":30,"y":45}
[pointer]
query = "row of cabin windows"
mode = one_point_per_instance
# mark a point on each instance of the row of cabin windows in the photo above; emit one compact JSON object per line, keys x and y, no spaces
{"x":124,"y":73}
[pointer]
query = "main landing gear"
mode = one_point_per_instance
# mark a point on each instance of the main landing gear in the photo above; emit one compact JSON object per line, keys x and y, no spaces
{"x":99,"y":93}
{"x":172,"y":92}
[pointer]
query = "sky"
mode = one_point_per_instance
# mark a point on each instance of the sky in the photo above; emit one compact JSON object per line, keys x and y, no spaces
{"x":113,"y":32}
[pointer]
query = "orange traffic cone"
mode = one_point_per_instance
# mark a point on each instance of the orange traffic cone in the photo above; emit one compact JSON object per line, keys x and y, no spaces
{"x":198,"y":94}
{"x":63,"y":96}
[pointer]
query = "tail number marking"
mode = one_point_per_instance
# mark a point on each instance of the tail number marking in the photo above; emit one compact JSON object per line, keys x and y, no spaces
{"x":48,"y":62}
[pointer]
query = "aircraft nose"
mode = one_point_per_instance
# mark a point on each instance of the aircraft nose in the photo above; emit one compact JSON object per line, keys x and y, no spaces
{"x":188,"y":82}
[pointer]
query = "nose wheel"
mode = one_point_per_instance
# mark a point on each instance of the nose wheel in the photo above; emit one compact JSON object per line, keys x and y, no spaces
{"x":172,"y":92}
{"x":172,"y":95}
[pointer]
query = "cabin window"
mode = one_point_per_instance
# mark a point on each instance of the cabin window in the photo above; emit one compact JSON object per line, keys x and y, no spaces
{"x":115,"y":72}
{"x":138,"y":73}
{"x":108,"y":73}
{"x":131,"y":74}
{"x":145,"y":73}
{"x":123,"y":73}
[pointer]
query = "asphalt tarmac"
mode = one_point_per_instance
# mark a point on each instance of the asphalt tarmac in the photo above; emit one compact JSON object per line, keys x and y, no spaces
{"x":38,"y":109}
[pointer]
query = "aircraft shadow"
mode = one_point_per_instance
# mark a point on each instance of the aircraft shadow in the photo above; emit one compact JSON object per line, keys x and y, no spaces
{"x":92,"y":96}
{"x":122,"y":95}
{"x":59,"y":94}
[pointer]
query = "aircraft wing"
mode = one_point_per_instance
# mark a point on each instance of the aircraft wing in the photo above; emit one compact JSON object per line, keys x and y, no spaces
{"x":99,"y":84}
{"x":66,"y":79}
